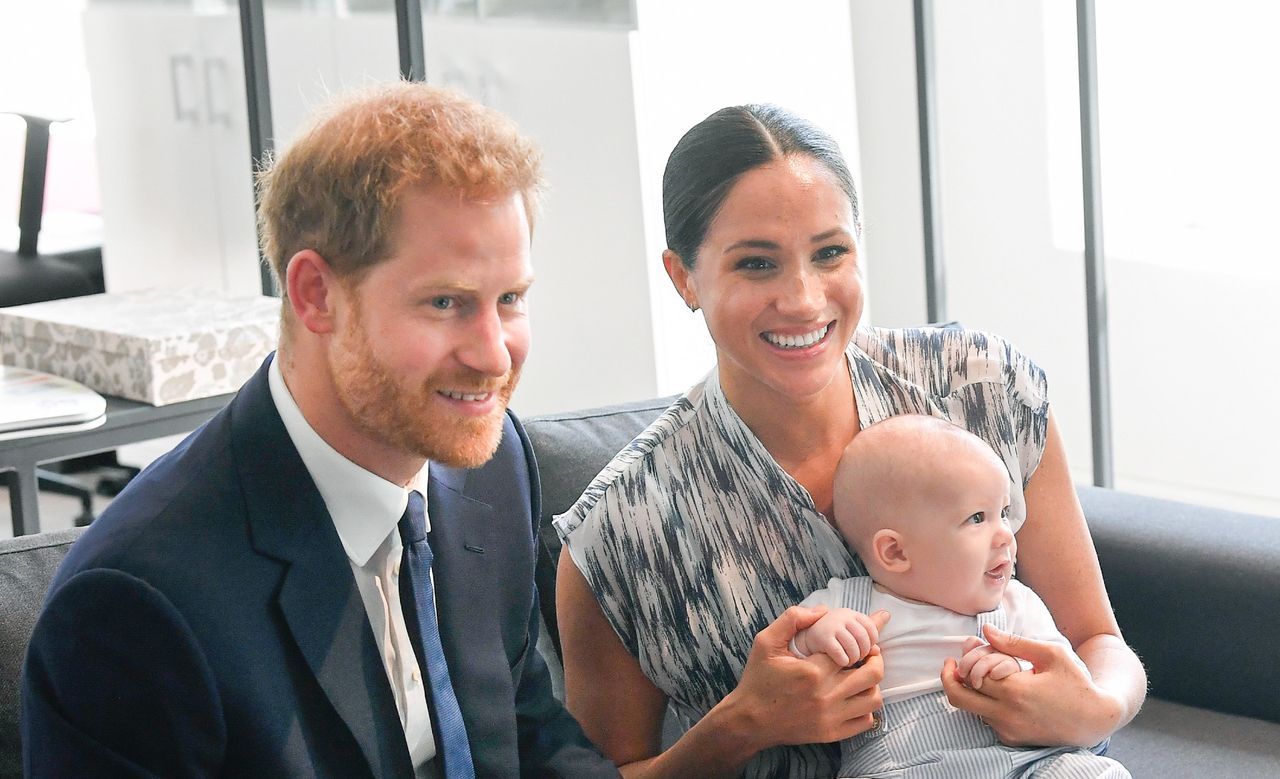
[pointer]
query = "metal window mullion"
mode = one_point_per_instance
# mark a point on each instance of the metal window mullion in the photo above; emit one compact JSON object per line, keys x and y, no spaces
{"x":413,"y":58}
{"x":1095,"y":277}
{"x":253,"y":42}
{"x":935,"y":277}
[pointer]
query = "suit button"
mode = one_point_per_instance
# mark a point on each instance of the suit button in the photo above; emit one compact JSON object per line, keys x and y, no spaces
{"x":416,"y":675}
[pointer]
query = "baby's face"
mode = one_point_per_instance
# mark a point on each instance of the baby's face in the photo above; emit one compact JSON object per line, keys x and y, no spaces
{"x":961,"y":547}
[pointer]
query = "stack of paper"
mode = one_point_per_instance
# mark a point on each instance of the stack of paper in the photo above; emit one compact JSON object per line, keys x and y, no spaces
{"x":35,"y":403}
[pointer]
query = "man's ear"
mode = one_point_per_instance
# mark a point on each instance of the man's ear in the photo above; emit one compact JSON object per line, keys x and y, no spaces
{"x":890,"y":551}
{"x":681,"y":279}
{"x":311,"y":286}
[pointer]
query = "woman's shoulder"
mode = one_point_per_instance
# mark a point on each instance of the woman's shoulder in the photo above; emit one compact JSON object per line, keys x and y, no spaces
{"x":633,"y":475}
{"x":941,"y":360}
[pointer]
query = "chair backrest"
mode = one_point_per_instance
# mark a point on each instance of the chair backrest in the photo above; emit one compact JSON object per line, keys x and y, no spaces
{"x":27,"y":564}
{"x":35,"y":164}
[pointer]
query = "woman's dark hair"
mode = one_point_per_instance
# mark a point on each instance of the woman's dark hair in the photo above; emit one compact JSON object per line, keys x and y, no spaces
{"x":714,"y":154}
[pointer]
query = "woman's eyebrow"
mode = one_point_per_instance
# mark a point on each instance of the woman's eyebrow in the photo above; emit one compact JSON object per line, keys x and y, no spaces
{"x":833,"y":232}
{"x":752,"y":243}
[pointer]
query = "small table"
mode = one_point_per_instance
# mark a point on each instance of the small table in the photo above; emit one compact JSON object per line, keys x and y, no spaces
{"x":128,"y":422}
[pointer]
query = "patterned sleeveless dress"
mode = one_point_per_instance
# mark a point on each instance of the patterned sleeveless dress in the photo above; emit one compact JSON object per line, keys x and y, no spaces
{"x":693,"y":538}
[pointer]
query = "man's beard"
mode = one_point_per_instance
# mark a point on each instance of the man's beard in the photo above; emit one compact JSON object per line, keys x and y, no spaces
{"x":401,"y":416}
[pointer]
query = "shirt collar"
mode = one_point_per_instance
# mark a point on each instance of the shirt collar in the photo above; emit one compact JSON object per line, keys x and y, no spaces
{"x":365,"y":507}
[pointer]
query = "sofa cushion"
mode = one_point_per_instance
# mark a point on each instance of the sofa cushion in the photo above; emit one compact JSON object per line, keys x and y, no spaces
{"x":27,"y":564}
{"x":570,"y":450}
{"x":1196,"y":591}
{"x":1169,"y":739}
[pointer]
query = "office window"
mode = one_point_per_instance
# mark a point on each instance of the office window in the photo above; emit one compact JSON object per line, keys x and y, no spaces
{"x":1189,"y":117}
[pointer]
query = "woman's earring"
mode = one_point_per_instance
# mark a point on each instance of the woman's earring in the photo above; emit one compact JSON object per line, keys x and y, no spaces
{"x":692,"y":307}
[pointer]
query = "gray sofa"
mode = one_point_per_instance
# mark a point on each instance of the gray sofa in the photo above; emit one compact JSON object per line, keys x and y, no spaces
{"x":1196,"y":590}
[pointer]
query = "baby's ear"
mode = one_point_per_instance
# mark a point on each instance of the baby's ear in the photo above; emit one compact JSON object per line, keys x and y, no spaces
{"x":889,"y":551}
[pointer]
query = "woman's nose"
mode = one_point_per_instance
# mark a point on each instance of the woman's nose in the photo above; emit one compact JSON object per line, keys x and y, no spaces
{"x":803,"y":296}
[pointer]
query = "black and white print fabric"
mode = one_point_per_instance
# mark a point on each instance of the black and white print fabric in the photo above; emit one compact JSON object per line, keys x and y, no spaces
{"x":694,"y":539}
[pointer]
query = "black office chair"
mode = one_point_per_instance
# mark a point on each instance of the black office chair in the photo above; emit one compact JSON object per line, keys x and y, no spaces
{"x":26,"y":276}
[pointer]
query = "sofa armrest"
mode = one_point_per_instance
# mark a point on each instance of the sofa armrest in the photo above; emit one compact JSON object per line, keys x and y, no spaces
{"x":27,"y":565}
{"x":1196,"y":591}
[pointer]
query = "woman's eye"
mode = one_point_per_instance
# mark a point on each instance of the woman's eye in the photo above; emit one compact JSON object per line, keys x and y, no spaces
{"x":977,"y":519}
{"x":754,"y":263}
{"x":828,"y":253}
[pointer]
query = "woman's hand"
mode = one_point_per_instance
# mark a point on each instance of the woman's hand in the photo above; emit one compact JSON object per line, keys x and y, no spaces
{"x":1061,"y":703}
{"x":779,"y":698}
{"x":1056,"y":705}
{"x":822,"y":701}
{"x":845,"y":635}
{"x":980,"y":661}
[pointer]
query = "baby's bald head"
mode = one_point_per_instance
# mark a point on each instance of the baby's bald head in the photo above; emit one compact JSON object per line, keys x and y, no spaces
{"x":899,"y":471}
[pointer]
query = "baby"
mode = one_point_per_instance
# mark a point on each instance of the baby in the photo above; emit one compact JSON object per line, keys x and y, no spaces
{"x":925,"y":505}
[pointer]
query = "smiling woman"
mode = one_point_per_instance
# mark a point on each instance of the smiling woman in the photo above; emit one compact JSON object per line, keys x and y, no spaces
{"x":777,"y":275}
{"x":684,"y":560}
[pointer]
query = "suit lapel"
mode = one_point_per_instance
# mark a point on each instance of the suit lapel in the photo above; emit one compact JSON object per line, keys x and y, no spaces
{"x":464,"y":556}
{"x":460,"y":528}
{"x":318,"y":598}
{"x":326,"y":615}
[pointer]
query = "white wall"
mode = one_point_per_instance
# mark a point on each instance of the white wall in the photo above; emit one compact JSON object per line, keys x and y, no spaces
{"x":693,"y":58}
{"x":570,"y":89}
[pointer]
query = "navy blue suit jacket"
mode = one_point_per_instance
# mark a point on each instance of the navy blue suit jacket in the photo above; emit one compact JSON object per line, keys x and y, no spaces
{"x":208,"y":624}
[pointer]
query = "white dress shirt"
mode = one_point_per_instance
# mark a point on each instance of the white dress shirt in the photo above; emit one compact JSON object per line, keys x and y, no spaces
{"x":366,"y":510}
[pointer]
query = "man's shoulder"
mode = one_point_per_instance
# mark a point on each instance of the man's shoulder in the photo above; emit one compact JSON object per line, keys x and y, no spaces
{"x":180,"y":507}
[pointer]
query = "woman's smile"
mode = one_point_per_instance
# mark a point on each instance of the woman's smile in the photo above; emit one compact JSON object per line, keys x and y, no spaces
{"x":797,"y":342}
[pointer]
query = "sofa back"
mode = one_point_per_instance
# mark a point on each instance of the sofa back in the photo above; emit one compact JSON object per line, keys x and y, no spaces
{"x":571,"y":448}
{"x":1196,"y":590}
{"x":27,"y":564}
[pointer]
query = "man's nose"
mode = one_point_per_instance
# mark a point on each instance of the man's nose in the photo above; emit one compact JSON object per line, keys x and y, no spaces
{"x":485,"y":350}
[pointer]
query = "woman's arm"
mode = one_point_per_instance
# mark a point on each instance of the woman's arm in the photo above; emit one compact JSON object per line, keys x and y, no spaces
{"x":1060,"y":704}
{"x":780,"y":699}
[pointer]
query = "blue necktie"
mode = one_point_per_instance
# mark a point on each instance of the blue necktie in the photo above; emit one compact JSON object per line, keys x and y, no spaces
{"x":417,"y":596}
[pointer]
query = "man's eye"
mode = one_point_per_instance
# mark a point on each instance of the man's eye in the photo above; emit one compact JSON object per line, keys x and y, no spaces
{"x":510,"y":298}
{"x":443,"y":303}
{"x":977,"y":519}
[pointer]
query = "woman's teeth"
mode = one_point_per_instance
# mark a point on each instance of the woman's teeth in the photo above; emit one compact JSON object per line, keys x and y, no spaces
{"x":797,"y":341}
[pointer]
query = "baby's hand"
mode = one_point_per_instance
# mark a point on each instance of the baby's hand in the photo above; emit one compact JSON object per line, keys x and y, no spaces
{"x":845,"y":635}
{"x":981,"y":661}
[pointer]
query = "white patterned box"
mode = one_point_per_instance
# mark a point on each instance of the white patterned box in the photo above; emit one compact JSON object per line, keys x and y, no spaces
{"x":156,"y":346}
